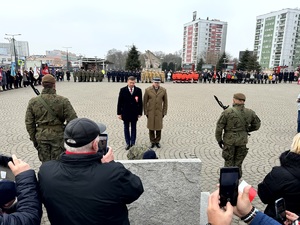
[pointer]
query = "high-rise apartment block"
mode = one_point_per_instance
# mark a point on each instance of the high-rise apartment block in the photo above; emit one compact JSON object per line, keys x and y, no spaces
{"x":277,"y":38}
{"x":203,"y":39}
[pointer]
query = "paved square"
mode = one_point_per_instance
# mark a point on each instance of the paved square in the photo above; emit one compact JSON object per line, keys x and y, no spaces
{"x":188,"y":128}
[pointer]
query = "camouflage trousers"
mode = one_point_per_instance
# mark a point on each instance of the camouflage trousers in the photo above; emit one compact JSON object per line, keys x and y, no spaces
{"x":49,"y":150}
{"x":234,"y":156}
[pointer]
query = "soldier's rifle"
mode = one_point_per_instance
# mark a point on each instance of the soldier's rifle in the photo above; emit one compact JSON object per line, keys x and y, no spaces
{"x":32,"y":85}
{"x":220,"y":103}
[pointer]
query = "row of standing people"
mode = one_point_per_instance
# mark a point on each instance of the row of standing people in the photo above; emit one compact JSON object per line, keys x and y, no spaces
{"x":88,"y":76}
{"x":247,"y":77}
{"x":146,"y":76}
{"x":20,"y":80}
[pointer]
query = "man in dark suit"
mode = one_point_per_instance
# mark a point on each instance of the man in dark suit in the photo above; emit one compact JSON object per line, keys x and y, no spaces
{"x":129,"y":109}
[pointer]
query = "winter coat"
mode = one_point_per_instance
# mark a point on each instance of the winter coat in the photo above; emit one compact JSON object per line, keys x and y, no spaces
{"x":79,"y":189}
{"x":130,"y":106}
{"x":155,"y":107}
{"x":282,"y":182}
{"x":29,"y":207}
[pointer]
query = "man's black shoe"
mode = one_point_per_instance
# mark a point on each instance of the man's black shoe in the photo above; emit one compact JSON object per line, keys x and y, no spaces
{"x":158,"y":145}
{"x":152,"y":145}
{"x":127,"y":147}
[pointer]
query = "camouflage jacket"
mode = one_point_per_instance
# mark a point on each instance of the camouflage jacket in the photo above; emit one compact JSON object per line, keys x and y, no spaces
{"x":136,"y":152}
{"x":236,"y":122}
{"x":40,"y":123}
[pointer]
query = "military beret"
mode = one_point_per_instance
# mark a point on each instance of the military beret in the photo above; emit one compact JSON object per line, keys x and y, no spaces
{"x":48,"y":78}
{"x":239,"y":96}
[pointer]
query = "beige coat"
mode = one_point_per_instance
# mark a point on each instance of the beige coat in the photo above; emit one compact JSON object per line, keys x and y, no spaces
{"x":155,"y":107}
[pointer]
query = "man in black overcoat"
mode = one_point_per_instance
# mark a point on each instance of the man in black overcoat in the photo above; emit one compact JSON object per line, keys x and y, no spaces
{"x":129,"y":109}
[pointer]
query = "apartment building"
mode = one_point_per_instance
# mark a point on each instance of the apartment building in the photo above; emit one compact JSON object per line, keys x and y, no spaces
{"x":203,"y":38}
{"x":277,"y":39}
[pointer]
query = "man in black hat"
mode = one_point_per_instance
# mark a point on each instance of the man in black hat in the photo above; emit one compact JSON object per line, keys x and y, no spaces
{"x":235,"y":123}
{"x":155,"y":108}
{"x":81,"y":188}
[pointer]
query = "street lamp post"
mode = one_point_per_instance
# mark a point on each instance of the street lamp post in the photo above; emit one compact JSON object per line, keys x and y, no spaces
{"x":14,"y":48}
{"x":67,"y":57}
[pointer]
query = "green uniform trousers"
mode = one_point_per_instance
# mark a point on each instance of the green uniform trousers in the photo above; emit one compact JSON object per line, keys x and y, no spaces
{"x":234,"y":156}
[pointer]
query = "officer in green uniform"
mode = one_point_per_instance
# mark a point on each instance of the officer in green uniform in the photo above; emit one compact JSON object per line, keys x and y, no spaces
{"x":79,"y":75}
{"x":92,"y":75}
{"x":45,"y":118}
{"x":83,"y":75}
{"x":74,"y":75}
{"x":235,"y":123}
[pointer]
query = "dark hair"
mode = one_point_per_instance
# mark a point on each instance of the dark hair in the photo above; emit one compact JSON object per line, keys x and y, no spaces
{"x":131,"y":78}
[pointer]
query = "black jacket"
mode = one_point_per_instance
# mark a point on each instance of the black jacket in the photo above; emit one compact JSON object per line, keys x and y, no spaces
{"x":130,"y":106}
{"x":29,"y":207}
{"x":282,"y":182}
{"x":79,"y":189}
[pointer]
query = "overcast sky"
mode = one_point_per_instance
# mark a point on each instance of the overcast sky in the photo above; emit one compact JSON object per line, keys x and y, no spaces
{"x":92,"y":27}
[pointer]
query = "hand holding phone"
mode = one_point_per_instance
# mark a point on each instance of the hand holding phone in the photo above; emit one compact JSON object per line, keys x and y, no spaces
{"x":229,"y":181}
{"x":102,"y":145}
{"x":280,"y":209}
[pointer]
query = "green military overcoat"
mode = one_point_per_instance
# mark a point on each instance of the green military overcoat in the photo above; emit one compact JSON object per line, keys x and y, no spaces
{"x":155,"y":107}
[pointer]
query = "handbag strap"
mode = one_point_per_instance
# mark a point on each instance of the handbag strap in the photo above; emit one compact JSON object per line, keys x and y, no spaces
{"x":48,"y":108}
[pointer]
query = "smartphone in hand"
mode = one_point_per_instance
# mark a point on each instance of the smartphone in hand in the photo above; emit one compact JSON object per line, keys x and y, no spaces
{"x":102,"y":145}
{"x":280,"y":209}
{"x":229,"y":182}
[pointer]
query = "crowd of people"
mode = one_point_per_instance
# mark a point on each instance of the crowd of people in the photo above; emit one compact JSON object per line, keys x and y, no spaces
{"x":23,"y":78}
{"x":240,"y":77}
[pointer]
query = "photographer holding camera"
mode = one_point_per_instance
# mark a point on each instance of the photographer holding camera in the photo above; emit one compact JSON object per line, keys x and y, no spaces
{"x":82,"y":187}
{"x":244,"y":210}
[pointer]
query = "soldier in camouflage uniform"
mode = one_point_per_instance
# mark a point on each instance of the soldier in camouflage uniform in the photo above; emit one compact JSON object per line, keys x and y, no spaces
{"x":45,"y":118}
{"x":141,"y":152}
{"x":79,"y":75}
{"x":74,"y":75}
{"x":83,"y":75}
{"x":236,"y":121}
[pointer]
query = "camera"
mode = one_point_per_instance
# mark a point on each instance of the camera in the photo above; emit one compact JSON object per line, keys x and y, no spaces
{"x":229,"y":181}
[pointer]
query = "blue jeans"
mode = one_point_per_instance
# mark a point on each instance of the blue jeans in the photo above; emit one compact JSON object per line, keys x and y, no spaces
{"x":130,"y":139}
{"x":298,"y":128}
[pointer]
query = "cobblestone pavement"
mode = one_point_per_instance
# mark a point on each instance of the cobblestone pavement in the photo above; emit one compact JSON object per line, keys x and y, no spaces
{"x":188,"y":128}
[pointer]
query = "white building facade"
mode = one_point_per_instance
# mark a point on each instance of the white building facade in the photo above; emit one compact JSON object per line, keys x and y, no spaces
{"x":277,"y":39}
{"x":203,"y":39}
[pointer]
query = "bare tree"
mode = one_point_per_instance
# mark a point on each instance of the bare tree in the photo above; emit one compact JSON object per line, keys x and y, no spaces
{"x":118,"y":58}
